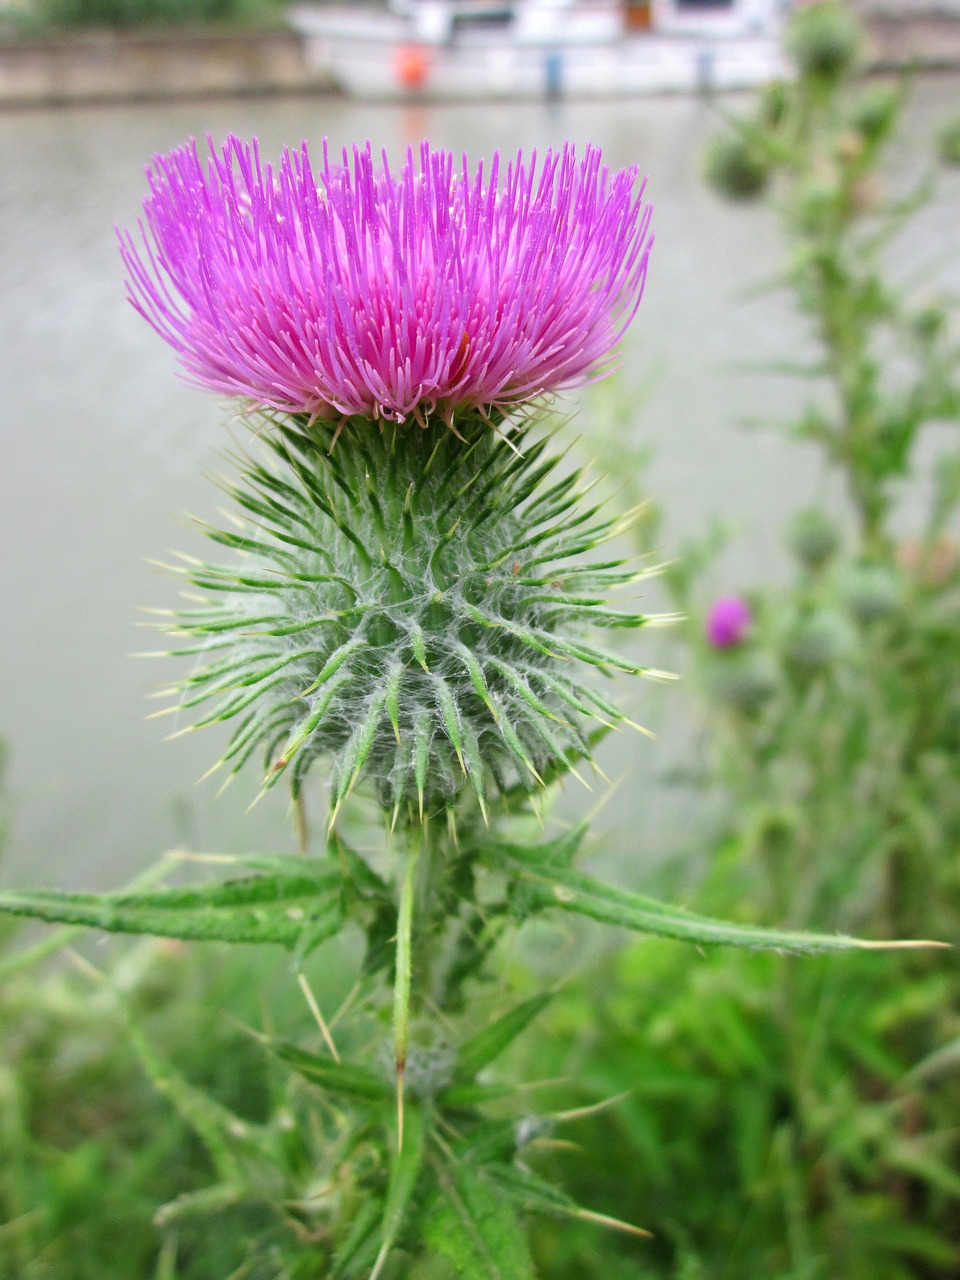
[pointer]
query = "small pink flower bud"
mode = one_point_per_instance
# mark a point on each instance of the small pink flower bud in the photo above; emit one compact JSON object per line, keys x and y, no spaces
{"x":728,"y":621}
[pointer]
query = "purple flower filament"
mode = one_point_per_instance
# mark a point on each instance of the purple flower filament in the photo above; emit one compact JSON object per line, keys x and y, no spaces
{"x":356,"y":293}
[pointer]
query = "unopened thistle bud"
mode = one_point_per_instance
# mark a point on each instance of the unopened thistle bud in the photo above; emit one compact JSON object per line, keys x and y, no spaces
{"x":743,"y":680}
{"x":736,"y":167}
{"x":824,"y":40}
{"x":870,"y":591}
{"x":813,"y":537}
{"x":819,"y":639}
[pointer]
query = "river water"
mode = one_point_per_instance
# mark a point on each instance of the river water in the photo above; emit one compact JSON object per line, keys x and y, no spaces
{"x":104,"y":450}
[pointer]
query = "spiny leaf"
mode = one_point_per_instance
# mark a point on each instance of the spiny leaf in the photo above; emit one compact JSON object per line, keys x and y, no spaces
{"x":571,"y":890}
{"x":476,"y":1230}
{"x":536,"y":1195}
{"x":488,"y":1044}
{"x":474,"y":762}
{"x":202,"y":1203}
{"x":296,"y":911}
{"x":472,"y":1094}
{"x":231,"y":1142}
{"x":345,"y":1078}
{"x":516,"y":748}
{"x":360,"y":1241}
{"x":418,"y":644}
{"x":520,"y":686}
{"x":306,"y":727}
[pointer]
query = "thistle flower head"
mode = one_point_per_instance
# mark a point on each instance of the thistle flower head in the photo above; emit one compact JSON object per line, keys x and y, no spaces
{"x":354,"y":291}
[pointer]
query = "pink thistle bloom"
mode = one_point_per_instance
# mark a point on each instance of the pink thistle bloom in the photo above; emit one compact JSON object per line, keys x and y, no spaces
{"x":728,"y":621}
{"x":354,"y":292}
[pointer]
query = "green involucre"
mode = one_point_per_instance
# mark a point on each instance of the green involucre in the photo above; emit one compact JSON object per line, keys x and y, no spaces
{"x":408,"y":606}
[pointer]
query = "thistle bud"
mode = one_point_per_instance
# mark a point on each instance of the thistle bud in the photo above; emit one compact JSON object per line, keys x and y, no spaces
{"x":818,"y":640}
{"x":743,"y":681}
{"x":824,"y":40}
{"x":875,"y":112}
{"x":813,"y":538}
{"x":413,"y":587}
{"x":772,"y":109}
{"x":870,"y":592}
{"x":735,"y":167}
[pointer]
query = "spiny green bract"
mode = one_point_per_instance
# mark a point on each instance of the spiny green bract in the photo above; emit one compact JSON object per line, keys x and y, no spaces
{"x":407,"y":605}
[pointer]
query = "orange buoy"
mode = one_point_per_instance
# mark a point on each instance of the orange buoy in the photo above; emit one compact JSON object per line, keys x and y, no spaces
{"x":410,"y":65}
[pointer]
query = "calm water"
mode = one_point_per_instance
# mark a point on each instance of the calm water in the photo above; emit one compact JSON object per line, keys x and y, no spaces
{"x":104,"y":451}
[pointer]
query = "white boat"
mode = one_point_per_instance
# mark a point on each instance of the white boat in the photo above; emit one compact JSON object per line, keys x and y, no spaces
{"x":482,"y":49}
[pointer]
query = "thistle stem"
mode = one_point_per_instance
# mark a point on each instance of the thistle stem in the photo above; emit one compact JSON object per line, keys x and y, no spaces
{"x":300,"y":823}
{"x":401,"y":986}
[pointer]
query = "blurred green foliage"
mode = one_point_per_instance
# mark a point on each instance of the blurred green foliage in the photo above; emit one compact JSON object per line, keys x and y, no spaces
{"x":129,"y":14}
{"x":793,"y":1119}
{"x":94,"y":1130}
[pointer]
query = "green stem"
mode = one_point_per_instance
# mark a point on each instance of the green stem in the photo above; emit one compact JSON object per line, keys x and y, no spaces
{"x":401,"y":986}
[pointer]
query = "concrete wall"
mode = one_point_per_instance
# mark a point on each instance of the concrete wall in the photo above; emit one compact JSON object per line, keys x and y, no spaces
{"x":108,"y":66}
{"x":923,"y":40}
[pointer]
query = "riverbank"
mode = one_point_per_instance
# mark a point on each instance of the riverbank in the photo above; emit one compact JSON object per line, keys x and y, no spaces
{"x":109,"y":66}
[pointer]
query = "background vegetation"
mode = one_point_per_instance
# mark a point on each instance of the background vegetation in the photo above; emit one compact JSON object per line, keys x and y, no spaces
{"x":36,"y":17}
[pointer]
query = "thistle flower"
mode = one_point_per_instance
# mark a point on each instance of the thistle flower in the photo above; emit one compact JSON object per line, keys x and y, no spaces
{"x":418,"y":296}
{"x":410,"y":606}
{"x":728,"y":621}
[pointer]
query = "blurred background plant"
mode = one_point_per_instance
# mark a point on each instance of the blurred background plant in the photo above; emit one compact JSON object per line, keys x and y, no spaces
{"x":37,"y":18}
{"x":796,"y":1120}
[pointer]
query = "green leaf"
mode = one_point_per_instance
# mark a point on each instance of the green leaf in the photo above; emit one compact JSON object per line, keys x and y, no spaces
{"x":360,"y":1240}
{"x":555,"y":885}
{"x":535,"y":1195}
{"x":477,"y":1231}
{"x":491,"y":1042}
{"x":471,"y":1094}
{"x":404,"y":1173}
{"x":202,"y":1203}
{"x":297,"y":911}
{"x":63,"y":937}
{"x":344,"y":1078}
{"x":235,"y":1146}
